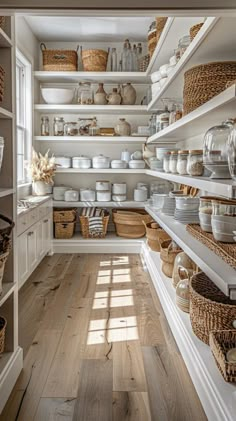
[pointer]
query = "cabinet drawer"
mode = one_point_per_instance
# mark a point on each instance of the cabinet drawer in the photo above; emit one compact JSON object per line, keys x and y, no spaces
{"x":22,"y":224}
{"x":33,"y":216}
{"x":41,"y":211}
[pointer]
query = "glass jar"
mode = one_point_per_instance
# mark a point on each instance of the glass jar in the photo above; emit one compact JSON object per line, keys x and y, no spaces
{"x":176,"y":114}
{"x":85,"y":93}
{"x":224,"y":207}
{"x":162,"y":120}
{"x":173,"y":162}
{"x":232,"y":152}
{"x":94,"y":129}
{"x":84,"y":124}
{"x":182,"y":162}
{"x":166,"y":162}
{"x":206,"y":204}
{"x":71,"y":129}
{"x":184,"y":42}
{"x":195,"y":163}
{"x":58,"y":126}
{"x":44,"y":126}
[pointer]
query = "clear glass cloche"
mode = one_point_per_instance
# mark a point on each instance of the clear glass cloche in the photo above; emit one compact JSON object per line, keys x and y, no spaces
{"x":215,"y":149}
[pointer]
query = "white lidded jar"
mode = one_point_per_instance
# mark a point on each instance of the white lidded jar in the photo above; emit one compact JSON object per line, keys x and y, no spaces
{"x":104,"y":196}
{"x":102,"y":185}
{"x":71,"y":196}
{"x":173,"y":162}
{"x":140,"y":195}
{"x":82,"y":162}
{"x":87,"y":195}
{"x":119,"y":188}
{"x":182,"y":162}
{"x":63,"y":161}
{"x":101,"y":161}
{"x":59,"y":192}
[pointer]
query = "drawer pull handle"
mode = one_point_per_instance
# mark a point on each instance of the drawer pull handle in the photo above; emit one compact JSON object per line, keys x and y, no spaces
{"x":45,"y":220}
{"x":30,"y":233}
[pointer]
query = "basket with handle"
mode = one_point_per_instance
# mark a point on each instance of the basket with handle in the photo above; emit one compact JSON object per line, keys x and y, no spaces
{"x":155,"y":234}
{"x":64,"y":214}
{"x":3,"y":325}
{"x":221,"y":342}
{"x":59,"y":60}
{"x":94,"y":60}
{"x":129,"y":222}
{"x":168,"y":255}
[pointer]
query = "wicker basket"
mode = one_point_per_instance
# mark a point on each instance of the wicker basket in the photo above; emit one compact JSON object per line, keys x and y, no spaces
{"x":84,"y":221}
{"x":195,"y":29}
{"x":143,"y":63}
{"x":2,"y":21}
{"x":168,"y":256}
{"x":221,"y":342}
{"x":155,"y":235}
{"x":59,"y":60}
{"x":129,"y":222}
{"x":94,"y":60}
{"x":201,"y":83}
{"x":2,"y":84}
{"x":64,"y":214}
{"x":210,"y":309}
{"x":160,"y":23}
{"x":3,"y":325}
{"x":64,"y":230}
{"x":5,"y":245}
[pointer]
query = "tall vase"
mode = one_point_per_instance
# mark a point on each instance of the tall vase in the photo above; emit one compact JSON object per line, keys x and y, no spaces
{"x":100,"y":98}
{"x":40,"y":188}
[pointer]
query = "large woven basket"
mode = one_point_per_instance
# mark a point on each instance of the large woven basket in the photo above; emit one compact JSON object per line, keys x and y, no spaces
{"x":94,"y":60}
{"x":143,"y":63}
{"x":210,"y":309}
{"x":195,"y":29}
{"x":203,"y":82}
{"x":168,"y":256}
{"x":59,"y":60}
{"x":2,"y":84}
{"x":64,"y":230}
{"x":2,"y":21}
{"x":3,"y":325}
{"x":129,"y":222}
{"x":160,"y":23}
{"x":84,"y":221}
{"x":155,"y":235}
{"x":64,"y":215}
{"x":221,"y":342}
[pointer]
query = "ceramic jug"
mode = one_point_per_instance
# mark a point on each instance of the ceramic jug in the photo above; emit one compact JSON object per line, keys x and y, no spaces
{"x":123,"y":128}
{"x":128,"y":94}
{"x":147,"y":153}
{"x":125,"y":155}
{"x":114,"y":97}
{"x":100,"y":98}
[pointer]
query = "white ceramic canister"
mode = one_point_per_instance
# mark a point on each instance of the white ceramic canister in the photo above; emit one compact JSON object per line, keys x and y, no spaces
{"x":125,"y":155}
{"x":118,"y":163}
{"x":101,"y":161}
{"x":59,"y":192}
{"x":119,"y":197}
{"x":104,"y":196}
{"x":82,"y":162}
{"x":141,"y":185}
{"x":119,"y":188}
{"x":87,"y":195}
{"x":137,"y":164}
{"x":102,"y":185}
{"x":63,"y":161}
{"x":140,"y":195}
{"x":71,"y":196}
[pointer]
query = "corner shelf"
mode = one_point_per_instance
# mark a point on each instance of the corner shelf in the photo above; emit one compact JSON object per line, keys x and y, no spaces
{"x":91,"y":109}
{"x":223,"y":275}
{"x":105,"y":77}
{"x":92,"y":139}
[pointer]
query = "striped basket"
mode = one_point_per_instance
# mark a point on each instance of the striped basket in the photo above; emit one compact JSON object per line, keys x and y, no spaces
{"x":84,"y":222}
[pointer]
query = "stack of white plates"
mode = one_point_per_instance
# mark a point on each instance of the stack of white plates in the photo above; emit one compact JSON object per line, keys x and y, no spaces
{"x":187,"y":216}
{"x":168,"y":207}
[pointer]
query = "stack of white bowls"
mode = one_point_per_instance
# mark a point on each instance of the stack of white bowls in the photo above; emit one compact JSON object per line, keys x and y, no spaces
{"x":187,"y":210}
{"x":141,"y":192}
{"x":223,"y":220}
{"x":119,"y":191}
{"x":168,"y":207}
{"x":159,"y":77}
{"x":103,"y":191}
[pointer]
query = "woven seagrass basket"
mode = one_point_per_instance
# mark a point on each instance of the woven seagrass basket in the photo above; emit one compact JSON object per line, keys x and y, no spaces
{"x":155,"y":235}
{"x":84,"y":222}
{"x":129,"y":222}
{"x":168,"y":256}
{"x":221,"y":342}
{"x":195,"y":29}
{"x":3,"y":325}
{"x":59,"y":60}
{"x":94,"y":60}
{"x":64,"y":230}
{"x":64,"y":215}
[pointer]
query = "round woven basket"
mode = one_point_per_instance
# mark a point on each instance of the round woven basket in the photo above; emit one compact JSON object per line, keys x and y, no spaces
{"x":195,"y":29}
{"x":2,"y":21}
{"x":129,"y":223}
{"x":203,"y":82}
{"x":94,"y":60}
{"x":168,"y":256}
{"x":3,"y":325}
{"x":210,"y":309}
{"x":155,"y":235}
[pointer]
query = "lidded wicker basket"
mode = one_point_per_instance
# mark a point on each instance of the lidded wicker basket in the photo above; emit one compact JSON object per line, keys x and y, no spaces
{"x":64,"y":214}
{"x":59,"y":60}
{"x":221,"y":342}
{"x":94,"y":60}
{"x":129,"y":222}
{"x":210,"y":309}
{"x":3,"y":325}
{"x":203,"y":82}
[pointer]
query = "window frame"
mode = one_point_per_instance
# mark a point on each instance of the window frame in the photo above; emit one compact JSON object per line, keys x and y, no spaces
{"x":25,"y":117}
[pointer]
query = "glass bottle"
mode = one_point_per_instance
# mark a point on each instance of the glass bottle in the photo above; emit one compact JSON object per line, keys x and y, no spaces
{"x":114,"y":60}
{"x":94,"y":129}
{"x":124,"y":56}
{"x":152,"y":125}
{"x":45,"y":126}
{"x":134,"y":59}
{"x":139,"y":50}
{"x":129,"y":59}
{"x":58,"y":126}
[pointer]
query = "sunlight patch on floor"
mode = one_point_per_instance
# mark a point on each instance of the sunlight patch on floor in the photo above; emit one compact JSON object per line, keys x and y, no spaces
{"x":118,"y":329}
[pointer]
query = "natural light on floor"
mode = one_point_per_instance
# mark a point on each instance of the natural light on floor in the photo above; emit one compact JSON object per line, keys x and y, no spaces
{"x":117,"y":329}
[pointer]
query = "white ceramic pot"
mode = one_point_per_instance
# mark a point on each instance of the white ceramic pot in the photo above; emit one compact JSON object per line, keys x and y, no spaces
{"x":125,"y":155}
{"x":137,"y":164}
{"x":123,"y":128}
{"x":119,"y":197}
{"x":140,"y":195}
{"x":39,"y":188}
{"x":118,"y":163}
{"x":63,"y":161}
{"x":71,"y":196}
{"x":128,"y":94}
{"x":187,"y":203}
{"x":59,"y":192}
{"x":82,"y":162}
{"x":102,"y":185}
{"x":119,"y":188}
{"x":101,"y":161}
{"x":87,"y":195}
{"x":160,"y":152}
{"x":104,"y":196}
{"x":58,"y":95}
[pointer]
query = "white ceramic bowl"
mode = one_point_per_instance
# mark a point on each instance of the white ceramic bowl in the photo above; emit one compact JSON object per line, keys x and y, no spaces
{"x":119,"y":197}
{"x":160,"y":152}
{"x":117,"y":163}
{"x":223,"y":237}
{"x":58,"y":95}
{"x":187,"y":203}
{"x":137,"y":164}
{"x":221,"y":226}
{"x":156,"y":76}
{"x":104,"y":196}
{"x":163,"y":70}
{"x":63,"y":161}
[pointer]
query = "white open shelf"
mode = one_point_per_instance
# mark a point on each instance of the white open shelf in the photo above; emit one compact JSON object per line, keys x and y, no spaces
{"x":92,"y":139}
{"x":5,"y":113}
{"x":6,"y":192}
{"x":198,"y":121}
{"x":226,"y":188}
{"x":104,"y":77}
{"x":91,"y":109}
{"x":217,"y":396}
{"x":5,"y":41}
{"x":126,"y":204}
{"x":7,"y":290}
{"x":223,"y":275}
{"x":100,"y":171}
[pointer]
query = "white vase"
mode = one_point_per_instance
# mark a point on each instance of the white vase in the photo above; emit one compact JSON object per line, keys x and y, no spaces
{"x":39,"y":188}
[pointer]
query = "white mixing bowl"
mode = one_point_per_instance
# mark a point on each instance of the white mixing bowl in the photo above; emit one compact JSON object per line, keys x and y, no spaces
{"x":58,"y":95}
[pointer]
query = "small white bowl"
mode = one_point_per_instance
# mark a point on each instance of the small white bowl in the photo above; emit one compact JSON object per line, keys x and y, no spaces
{"x":57,"y":95}
{"x":187,"y":203}
{"x":156,"y":76}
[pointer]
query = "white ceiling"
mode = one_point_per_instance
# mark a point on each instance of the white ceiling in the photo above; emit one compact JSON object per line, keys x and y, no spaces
{"x":98,"y":29}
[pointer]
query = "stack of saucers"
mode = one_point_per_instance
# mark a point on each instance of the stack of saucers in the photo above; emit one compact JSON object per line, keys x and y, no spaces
{"x":186,"y":210}
{"x":168,"y":207}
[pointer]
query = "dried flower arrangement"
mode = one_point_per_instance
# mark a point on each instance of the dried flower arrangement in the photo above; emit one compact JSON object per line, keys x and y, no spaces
{"x":42,"y":167}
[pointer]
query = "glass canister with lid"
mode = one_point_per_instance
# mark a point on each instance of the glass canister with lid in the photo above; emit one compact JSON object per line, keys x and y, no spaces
{"x":85,"y":93}
{"x":71,"y":129}
{"x":58,"y":126}
{"x":166,"y":162}
{"x":45,"y":129}
{"x":182,"y":162}
{"x":195,"y":162}
{"x":84,"y":124}
{"x":173,"y":162}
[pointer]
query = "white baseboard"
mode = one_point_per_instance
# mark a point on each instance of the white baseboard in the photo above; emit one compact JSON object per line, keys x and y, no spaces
{"x":218,"y":398}
{"x":10,"y":375}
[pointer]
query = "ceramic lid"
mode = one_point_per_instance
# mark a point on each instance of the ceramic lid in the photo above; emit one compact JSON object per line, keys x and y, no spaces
{"x":81,"y":157}
{"x":136,"y":161}
{"x":101,"y":157}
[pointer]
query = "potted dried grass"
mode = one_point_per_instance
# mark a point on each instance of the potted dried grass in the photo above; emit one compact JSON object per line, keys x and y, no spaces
{"x":42,"y":169}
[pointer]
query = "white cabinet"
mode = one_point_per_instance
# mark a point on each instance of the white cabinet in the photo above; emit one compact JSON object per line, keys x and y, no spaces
{"x":46,"y":232}
{"x":23,"y":258}
{"x":32,"y":248}
{"x":40,"y":242}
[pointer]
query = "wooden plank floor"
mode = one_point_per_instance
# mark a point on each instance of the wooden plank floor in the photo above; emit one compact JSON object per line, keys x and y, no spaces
{"x":97,"y":346}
